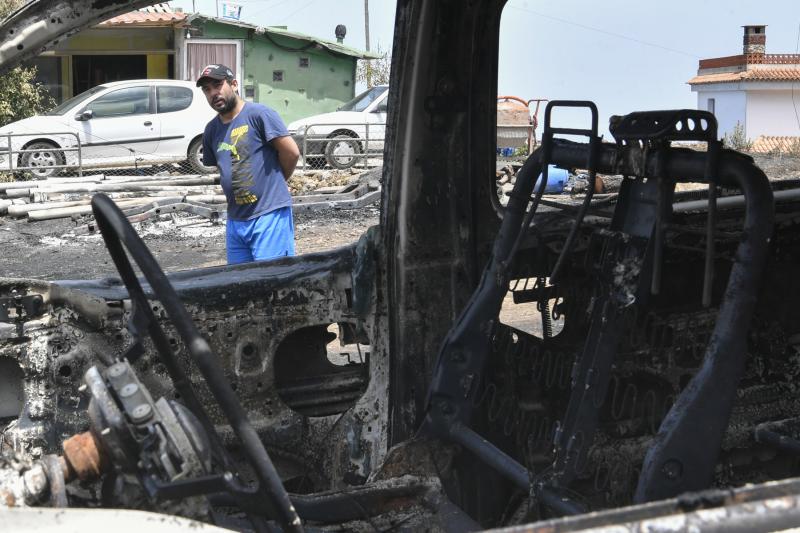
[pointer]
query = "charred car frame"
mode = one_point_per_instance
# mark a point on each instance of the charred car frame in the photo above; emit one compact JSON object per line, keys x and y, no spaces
{"x":661,"y":378}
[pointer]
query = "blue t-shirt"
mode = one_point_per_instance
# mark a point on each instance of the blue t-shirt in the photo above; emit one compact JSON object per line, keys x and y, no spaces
{"x":250,"y":172}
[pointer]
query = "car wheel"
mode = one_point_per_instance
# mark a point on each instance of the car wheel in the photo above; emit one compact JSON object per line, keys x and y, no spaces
{"x":342,"y":152}
{"x":196,"y":158}
{"x":37,"y":162}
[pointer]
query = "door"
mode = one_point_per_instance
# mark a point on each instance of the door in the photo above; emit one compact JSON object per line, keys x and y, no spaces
{"x":92,"y":70}
{"x":178,"y":126}
{"x":202,"y":52}
{"x":123,"y":127}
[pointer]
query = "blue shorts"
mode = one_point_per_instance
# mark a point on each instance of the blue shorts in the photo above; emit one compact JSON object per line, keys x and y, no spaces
{"x":266,"y":237}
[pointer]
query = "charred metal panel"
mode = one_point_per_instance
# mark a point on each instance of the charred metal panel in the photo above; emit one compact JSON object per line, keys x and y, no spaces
{"x":435,"y":207}
{"x":249,"y":315}
{"x":45,"y":355}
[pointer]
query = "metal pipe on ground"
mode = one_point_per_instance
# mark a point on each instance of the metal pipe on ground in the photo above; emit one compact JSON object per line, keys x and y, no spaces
{"x":123,"y":179}
{"x":66,"y":197}
{"x":207,"y":198}
{"x":48,"y":213}
{"x":105,"y":180}
{"x":66,"y":212}
{"x":24,"y":209}
{"x":113,"y":187}
{"x":97,"y":178}
{"x":186,"y":189}
{"x":150,"y":182}
{"x":38,"y":183}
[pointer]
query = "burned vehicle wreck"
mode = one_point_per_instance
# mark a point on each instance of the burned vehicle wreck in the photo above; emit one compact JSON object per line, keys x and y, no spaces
{"x":657,"y":388}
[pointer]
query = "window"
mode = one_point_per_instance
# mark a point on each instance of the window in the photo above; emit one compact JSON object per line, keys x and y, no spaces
{"x":277,"y":75}
{"x":48,"y":73}
{"x":360,"y":102}
{"x":711,"y":105}
{"x":75,"y":101}
{"x":169,"y":99}
{"x":130,"y":101}
{"x":304,"y":62}
{"x":202,"y":52}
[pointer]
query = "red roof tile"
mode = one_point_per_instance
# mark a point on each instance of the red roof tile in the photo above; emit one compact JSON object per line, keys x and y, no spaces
{"x":773,"y":144}
{"x":763,"y":74}
{"x":141,"y":18}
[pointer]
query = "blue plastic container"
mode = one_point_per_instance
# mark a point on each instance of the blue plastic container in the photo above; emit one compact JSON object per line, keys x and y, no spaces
{"x":556,"y":178}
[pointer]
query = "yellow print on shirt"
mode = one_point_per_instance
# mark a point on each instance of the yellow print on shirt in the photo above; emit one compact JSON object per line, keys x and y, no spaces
{"x":241,"y":182}
{"x":241,"y":172}
{"x":236,"y":134}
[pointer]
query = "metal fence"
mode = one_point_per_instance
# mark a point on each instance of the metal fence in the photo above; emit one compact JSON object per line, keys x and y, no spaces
{"x":341,"y":146}
{"x":337,"y":146}
{"x":48,"y":155}
{"x":38,"y":157}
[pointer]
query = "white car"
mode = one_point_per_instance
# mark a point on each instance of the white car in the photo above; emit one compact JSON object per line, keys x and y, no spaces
{"x":339,"y":137}
{"x":124,"y":123}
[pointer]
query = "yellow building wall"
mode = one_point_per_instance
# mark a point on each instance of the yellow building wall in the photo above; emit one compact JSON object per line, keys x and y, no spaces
{"x":66,"y":77}
{"x":118,"y":40}
{"x":157,"y":66}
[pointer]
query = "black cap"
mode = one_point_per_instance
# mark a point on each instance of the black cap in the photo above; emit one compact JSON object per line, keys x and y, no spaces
{"x":215,"y":72}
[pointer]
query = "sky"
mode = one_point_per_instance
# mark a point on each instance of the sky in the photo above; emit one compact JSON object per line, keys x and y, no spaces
{"x":314,"y":17}
{"x":625,"y":56}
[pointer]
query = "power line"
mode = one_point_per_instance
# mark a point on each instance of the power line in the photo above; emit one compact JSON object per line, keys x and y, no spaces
{"x":605,"y":32}
{"x":295,"y":12}
{"x":273,"y":6}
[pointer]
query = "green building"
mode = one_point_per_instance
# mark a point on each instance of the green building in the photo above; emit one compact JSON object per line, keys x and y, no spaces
{"x":295,"y":74}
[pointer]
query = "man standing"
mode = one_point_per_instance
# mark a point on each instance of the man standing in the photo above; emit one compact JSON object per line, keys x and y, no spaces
{"x":255,"y":155}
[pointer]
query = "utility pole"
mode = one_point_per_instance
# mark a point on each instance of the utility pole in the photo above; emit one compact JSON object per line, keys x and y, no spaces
{"x":366,"y":33}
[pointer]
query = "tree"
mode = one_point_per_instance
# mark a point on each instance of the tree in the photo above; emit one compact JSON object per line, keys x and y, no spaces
{"x":20,"y":95}
{"x":374,"y":71}
{"x":737,"y":139}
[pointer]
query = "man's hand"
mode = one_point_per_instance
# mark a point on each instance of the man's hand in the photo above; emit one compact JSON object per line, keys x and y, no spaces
{"x":288,"y":154}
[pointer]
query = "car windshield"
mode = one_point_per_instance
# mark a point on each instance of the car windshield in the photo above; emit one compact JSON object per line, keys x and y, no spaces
{"x":75,"y":100}
{"x":360,"y":102}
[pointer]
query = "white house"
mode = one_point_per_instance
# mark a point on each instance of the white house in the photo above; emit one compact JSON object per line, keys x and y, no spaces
{"x":760,"y":91}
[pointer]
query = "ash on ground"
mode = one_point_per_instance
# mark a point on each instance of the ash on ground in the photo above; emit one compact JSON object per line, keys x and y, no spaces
{"x":69,"y":249}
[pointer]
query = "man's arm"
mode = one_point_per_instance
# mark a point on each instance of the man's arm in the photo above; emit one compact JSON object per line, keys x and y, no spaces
{"x":288,"y":154}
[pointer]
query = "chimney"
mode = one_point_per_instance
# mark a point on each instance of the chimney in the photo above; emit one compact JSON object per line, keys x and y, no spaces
{"x":755,"y":40}
{"x":340,"y":31}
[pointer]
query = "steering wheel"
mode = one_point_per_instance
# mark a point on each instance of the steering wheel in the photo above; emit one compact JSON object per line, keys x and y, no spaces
{"x":119,"y":236}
